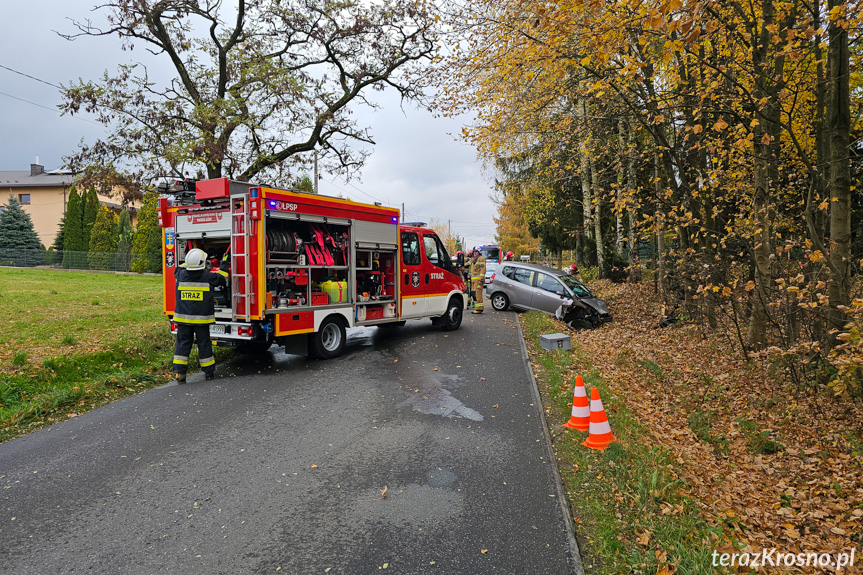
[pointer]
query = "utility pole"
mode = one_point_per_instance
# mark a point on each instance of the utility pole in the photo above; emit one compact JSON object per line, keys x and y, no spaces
{"x":316,"y":172}
{"x":403,"y":211}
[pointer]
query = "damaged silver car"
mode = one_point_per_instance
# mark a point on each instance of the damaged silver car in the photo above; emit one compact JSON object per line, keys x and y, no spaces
{"x":524,"y":286}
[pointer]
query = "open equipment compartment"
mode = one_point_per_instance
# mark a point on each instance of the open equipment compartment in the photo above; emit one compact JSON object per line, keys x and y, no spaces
{"x":375,"y":284}
{"x":377,"y":291}
{"x":304,"y":252}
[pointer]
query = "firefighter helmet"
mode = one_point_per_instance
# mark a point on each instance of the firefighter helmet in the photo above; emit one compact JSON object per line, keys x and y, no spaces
{"x":196,"y":259}
{"x":573,"y":269}
{"x":510,"y":255}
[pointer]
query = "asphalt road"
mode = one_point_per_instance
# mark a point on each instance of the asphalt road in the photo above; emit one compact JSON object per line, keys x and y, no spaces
{"x":278,"y":466}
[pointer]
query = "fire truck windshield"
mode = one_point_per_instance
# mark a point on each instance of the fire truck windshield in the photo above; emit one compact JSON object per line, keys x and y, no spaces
{"x":490,"y":253}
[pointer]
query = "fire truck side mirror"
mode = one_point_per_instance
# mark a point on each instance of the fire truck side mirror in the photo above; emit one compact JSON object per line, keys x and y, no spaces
{"x":460,"y":260}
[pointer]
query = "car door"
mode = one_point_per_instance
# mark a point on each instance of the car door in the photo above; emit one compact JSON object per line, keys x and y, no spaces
{"x":549,"y":293}
{"x":521,"y":287}
{"x":436,"y":262}
{"x":413,"y":288}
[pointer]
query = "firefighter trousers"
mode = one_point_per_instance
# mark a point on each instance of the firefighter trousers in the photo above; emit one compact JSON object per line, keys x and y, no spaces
{"x":477,"y":293}
{"x":188,"y":334}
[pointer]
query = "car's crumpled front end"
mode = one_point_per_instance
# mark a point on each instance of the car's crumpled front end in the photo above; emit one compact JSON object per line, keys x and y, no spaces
{"x":584,"y":313}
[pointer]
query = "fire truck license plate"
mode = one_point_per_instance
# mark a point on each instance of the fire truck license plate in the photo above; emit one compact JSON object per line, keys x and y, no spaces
{"x":215,"y":328}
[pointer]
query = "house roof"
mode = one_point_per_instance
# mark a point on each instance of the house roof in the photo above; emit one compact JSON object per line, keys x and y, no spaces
{"x":24,"y":179}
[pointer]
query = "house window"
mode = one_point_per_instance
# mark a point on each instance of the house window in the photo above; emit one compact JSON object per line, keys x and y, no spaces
{"x":24,"y":199}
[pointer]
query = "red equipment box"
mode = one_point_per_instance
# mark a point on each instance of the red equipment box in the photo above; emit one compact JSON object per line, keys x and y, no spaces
{"x":376,"y":312}
{"x":212,"y":189}
{"x":320,"y":298}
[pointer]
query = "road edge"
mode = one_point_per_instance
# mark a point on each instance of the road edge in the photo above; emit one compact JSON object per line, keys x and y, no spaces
{"x":577,"y":568}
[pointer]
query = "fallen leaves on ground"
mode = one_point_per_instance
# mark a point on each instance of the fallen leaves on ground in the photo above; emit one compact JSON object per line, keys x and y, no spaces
{"x":802,"y":492}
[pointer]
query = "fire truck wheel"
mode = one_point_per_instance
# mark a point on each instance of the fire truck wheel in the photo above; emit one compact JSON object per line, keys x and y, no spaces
{"x":451,"y":320}
{"x":329,"y":341}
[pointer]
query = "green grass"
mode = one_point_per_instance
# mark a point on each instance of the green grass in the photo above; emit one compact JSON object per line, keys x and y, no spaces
{"x":758,"y":441}
{"x":73,"y":341}
{"x":630,"y":506}
{"x":35,"y":315}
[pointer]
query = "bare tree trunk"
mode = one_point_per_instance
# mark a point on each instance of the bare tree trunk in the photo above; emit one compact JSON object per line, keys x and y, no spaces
{"x":839,"y":126}
{"x":579,"y":248}
{"x":765,"y":152}
{"x":661,"y":284}
{"x":634,"y":264}
{"x":597,"y":229}
{"x":757,"y":334}
{"x":620,"y":239}
{"x":585,"y":167}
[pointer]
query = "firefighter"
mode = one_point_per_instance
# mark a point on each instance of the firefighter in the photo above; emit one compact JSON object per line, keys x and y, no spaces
{"x":477,"y":277}
{"x":465,"y":274}
{"x":194,"y":312}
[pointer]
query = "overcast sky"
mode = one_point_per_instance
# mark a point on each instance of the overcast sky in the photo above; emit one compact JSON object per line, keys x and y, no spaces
{"x":417,"y":160}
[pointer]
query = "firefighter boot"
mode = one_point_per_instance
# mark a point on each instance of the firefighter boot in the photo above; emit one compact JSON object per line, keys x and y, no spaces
{"x":180,"y":377}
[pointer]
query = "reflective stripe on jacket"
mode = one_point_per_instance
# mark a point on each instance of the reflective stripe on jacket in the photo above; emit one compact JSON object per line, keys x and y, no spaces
{"x":477,"y":268}
{"x":194,"y":303}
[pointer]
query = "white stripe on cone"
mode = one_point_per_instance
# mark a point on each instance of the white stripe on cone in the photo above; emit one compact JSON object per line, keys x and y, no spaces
{"x":600,"y":428}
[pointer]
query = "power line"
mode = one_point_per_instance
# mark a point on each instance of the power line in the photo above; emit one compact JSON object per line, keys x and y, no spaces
{"x":49,"y":109}
{"x":362,"y":192}
{"x":31,"y":77}
{"x":354,"y":187}
{"x":40,"y":105}
{"x":28,"y":101}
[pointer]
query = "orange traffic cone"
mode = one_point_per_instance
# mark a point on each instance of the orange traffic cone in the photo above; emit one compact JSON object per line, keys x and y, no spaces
{"x":600,"y":431}
{"x":580,"y":419}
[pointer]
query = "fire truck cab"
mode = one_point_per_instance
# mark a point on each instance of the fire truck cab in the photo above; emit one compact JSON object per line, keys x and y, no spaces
{"x":302,"y":268}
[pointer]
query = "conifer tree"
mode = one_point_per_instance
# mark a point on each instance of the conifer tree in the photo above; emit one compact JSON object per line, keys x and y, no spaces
{"x":306,"y":184}
{"x":57,"y":246}
{"x":103,"y":240}
{"x":16,"y":228}
{"x":90,"y":210}
{"x":147,"y":242}
{"x":125,"y":234}
{"x":72,"y":229}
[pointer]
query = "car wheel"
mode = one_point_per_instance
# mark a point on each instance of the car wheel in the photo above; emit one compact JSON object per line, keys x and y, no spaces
{"x":451,"y":320}
{"x":329,"y":341}
{"x":499,"y":301}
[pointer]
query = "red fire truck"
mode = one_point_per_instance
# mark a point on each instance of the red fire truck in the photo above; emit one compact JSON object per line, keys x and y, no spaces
{"x":304,"y":267}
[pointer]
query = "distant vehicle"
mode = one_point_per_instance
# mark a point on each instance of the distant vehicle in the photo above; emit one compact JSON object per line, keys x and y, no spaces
{"x":524,"y":286}
{"x":524,"y":258}
{"x":491,"y":253}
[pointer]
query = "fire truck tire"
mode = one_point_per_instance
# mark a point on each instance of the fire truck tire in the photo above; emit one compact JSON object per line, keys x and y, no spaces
{"x":329,"y":341}
{"x":451,"y":320}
